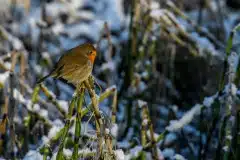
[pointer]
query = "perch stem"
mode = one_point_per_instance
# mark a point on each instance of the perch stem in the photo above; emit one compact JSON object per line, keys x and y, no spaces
{"x":78,"y":123}
{"x":66,"y":128}
{"x":97,"y":115}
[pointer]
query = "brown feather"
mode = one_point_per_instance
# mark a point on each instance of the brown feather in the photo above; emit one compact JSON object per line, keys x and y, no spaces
{"x":75,"y":65}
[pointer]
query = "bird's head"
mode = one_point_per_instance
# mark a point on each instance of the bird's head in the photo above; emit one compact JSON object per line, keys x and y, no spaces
{"x":90,"y":51}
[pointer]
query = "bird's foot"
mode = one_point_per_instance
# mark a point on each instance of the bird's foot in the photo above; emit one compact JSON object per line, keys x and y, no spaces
{"x":80,"y":87}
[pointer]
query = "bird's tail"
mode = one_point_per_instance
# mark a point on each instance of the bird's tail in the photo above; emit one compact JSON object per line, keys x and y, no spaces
{"x":42,"y":79}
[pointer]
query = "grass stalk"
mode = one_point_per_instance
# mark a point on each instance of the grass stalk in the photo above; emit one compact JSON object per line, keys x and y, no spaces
{"x":108,"y":139}
{"x":199,"y":29}
{"x":65,"y":130}
{"x":114,"y":106}
{"x":78,"y":123}
{"x":101,"y":98}
{"x":11,"y":114}
{"x":146,"y":120}
{"x":52,"y":99}
{"x":22,"y":70}
{"x":97,"y":115}
{"x":45,"y":151}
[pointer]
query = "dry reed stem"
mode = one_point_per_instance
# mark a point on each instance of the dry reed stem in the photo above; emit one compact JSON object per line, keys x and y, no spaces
{"x":14,"y":57}
{"x":52,"y":99}
{"x":11,"y":114}
{"x":78,"y":119}
{"x":97,"y":115}
{"x":108,"y":140}
{"x":22,"y":70}
{"x":108,"y":33}
{"x":114,"y":107}
{"x":146,"y":117}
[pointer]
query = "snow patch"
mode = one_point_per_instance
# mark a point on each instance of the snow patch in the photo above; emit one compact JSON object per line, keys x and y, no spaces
{"x":18,"y":96}
{"x":141,"y":103}
{"x":168,"y":153}
{"x":3,"y":77}
{"x":179,"y":157}
{"x":119,"y":154}
{"x":208,"y":101}
{"x":114,"y":130}
{"x":186,"y":119}
{"x":32,"y":154}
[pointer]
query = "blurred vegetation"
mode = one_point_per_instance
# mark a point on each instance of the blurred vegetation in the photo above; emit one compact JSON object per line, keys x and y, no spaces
{"x":164,"y":86}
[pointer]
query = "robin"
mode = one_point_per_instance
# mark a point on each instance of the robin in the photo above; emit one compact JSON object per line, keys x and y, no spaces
{"x":75,"y":65}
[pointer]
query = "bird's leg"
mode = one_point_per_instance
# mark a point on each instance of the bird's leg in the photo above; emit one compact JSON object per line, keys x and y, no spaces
{"x":91,"y":81}
{"x":80,"y":86}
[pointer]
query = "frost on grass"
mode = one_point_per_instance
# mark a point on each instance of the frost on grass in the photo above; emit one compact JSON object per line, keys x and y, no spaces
{"x":107,"y":131}
{"x":114,"y":130}
{"x":4,"y":6}
{"x":141,"y":103}
{"x":186,"y":119}
{"x":85,"y":15}
{"x":119,"y":154}
{"x":36,"y":108}
{"x":43,"y":113}
{"x":145,"y":122}
{"x":233,"y":62}
{"x":88,"y":130}
{"x":229,"y":137}
{"x":67,"y":152}
{"x":85,"y":151}
{"x":170,"y":138}
{"x":231,"y":88}
{"x":37,"y":69}
{"x":54,"y":9}
{"x":53,"y":131}
{"x":168,"y":153}
{"x":58,"y":125}
{"x":113,"y":13}
{"x":84,"y":30}
{"x":58,"y":28}
{"x":32,"y":154}
{"x":18,"y":96}
{"x":3,"y":77}
{"x":113,"y":87}
{"x":208,"y":101}
{"x":154,"y":5}
{"x":226,"y":148}
{"x":179,"y":157}
{"x":123,"y":144}
{"x":52,"y":94}
{"x":134,"y":152}
{"x":155,"y":135}
{"x":16,"y":43}
{"x":64,"y":105}
{"x":108,"y":66}
{"x":8,"y":65}
{"x":157,"y":13}
{"x":204,"y":44}
{"x":45,"y":139}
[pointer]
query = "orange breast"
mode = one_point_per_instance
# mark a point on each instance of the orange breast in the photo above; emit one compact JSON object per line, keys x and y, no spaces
{"x":92,"y":57}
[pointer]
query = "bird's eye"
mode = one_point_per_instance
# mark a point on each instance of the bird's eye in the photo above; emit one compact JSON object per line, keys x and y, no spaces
{"x":90,"y":52}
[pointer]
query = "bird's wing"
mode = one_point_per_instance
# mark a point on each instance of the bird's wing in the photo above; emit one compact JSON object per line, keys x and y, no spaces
{"x":70,"y":60}
{"x":69,"y":68}
{"x":72,"y":57}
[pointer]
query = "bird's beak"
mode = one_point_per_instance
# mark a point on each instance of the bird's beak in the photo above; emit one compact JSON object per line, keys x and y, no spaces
{"x":92,"y":56}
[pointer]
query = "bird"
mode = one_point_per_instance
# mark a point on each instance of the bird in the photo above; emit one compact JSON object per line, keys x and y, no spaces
{"x":75,"y":65}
